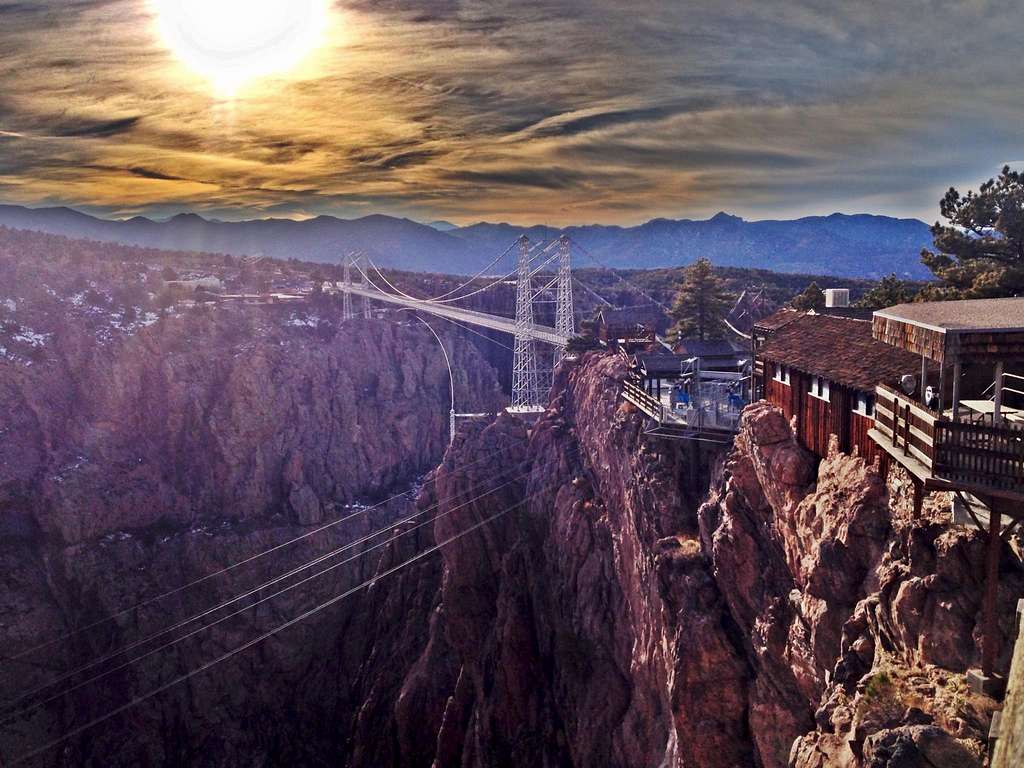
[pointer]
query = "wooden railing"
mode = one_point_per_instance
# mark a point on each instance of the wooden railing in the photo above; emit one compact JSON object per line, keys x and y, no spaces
{"x":649,"y":404}
{"x":907,"y":424}
{"x":980,"y":456}
{"x":974,"y":456}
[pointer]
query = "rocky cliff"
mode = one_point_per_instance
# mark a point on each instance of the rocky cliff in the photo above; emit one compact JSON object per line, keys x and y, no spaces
{"x":799,"y":616}
{"x":601,"y":597}
{"x":132,"y":463}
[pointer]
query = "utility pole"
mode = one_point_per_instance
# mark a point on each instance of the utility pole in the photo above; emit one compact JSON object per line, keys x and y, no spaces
{"x":564,"y":321}
{"x":346,"y":283}
{"x":525,"y":379}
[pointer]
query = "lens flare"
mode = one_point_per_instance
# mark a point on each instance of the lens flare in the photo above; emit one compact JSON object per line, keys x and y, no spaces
{"x":232,"y":42}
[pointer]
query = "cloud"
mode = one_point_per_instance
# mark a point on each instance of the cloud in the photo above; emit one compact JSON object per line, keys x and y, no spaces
{"x":85,"y":128}
{"x":539,"y":110}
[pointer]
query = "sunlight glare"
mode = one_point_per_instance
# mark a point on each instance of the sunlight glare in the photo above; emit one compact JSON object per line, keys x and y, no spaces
{"x":232,"y":42}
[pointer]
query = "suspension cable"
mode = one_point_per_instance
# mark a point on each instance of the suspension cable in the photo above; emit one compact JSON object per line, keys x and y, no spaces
{"x":619,"y":277}
{"x":457,"y":288}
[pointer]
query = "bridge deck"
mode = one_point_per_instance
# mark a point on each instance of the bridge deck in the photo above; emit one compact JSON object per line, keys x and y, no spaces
{"x":496,"y":322}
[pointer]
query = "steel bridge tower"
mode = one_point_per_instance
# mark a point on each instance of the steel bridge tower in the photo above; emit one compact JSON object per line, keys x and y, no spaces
{"x":364,"y":283}
{"x":526,"y":391}
{"x":346,"y":282}
{"x":564,"y":320}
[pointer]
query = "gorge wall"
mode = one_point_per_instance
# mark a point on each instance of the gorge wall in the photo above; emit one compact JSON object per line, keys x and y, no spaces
{"x":132,"y":463}
{"x":798,"y":614}
{"x":622,"y":600}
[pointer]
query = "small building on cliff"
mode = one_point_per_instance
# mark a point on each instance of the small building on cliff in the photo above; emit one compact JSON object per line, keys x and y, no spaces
{"x":823,"y":371}
{"x":629,"y":328}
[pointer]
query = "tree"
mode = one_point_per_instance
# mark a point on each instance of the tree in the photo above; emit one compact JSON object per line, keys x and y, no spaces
{"x":811,"y":298}
{"x":169,"y":274}
{"x":980,"y":253}
{"x":888,"y":291}
{"x":701,"y":303}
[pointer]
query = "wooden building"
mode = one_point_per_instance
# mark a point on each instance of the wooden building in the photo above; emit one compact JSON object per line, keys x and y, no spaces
{"x":974,"y":448}
{"x":714,"y":354}
{"x":629,"y":328}
{"x":823,"y":371}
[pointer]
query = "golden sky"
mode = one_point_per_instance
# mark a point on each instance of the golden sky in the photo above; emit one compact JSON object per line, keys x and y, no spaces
{"x":532,"y":112}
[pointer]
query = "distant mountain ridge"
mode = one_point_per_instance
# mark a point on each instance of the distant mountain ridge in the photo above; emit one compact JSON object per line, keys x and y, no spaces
{"x":861,"y":245}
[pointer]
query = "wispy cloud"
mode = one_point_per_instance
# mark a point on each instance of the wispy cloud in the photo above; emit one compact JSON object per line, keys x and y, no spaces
{"x":537,"y":110}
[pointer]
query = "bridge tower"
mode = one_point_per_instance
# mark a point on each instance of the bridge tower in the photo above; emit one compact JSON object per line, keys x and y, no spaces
{"x":364,"y":283}
{"x":526,"y":392}
{"x":346,"y":283}
{"x":564,"y":321}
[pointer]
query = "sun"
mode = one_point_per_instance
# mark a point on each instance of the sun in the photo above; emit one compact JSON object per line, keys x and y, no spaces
{"x":233,"y":42}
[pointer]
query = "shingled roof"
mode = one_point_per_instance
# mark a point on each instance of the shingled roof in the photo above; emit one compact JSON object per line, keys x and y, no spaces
{"x":840,"y":349}
{"x":647,"y":315}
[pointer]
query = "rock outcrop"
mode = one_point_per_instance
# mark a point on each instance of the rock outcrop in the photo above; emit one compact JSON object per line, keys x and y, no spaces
{"x":799,"y":616}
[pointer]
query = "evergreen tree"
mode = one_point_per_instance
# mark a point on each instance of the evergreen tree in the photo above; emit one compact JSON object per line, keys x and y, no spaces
{"x":701,"y":303}
{"x":887,"y":292}
{"x":980,"y":253}
{"x":811,"y":298}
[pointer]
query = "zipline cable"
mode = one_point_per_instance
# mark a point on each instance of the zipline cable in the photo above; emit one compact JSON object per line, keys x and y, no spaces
{"x":266,"y":635}
{"x":176,"y":590}
{"x":93,"y":663}
{"x":124,"y":665}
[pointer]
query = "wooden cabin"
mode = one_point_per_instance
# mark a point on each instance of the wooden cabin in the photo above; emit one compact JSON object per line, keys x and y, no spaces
{"x":629,"y":328}
{"x":972,"y":438}
{"x":714,"y":354}
{"x":971,"y":441}
{"x":823,"y":370}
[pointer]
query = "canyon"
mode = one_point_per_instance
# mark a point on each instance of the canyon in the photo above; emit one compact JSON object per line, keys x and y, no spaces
{"x":600,"y":597}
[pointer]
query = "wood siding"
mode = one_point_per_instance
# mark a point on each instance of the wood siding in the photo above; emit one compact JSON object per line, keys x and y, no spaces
{"x":910,"y":337}
{"x":816,"y":419}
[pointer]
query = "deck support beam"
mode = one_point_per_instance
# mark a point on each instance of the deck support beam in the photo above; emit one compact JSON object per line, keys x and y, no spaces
{"x":990,"y":620}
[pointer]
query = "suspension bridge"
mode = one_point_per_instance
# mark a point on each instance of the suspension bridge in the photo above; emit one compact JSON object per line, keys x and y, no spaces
{"x":551,"y":262}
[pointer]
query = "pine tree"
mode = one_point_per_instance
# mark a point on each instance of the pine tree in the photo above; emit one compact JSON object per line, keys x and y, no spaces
{"x":811,"y":298}
{"x":887,"y":292}
{"x":701,"y":303}
{"x":980,"y":253}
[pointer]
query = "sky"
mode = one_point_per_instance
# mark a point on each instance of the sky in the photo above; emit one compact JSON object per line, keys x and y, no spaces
{"x":568,"y":112}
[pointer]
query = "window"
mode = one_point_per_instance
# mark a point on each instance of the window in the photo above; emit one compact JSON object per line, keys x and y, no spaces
{"x":865,"y":404}
{"x":819,"y":387}
{"x":781,"y":373}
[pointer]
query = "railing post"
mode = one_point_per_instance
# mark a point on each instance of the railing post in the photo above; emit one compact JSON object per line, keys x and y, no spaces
{"x":906,"y":430}
{"x":997,"y":399}
{"x":956,"y":391}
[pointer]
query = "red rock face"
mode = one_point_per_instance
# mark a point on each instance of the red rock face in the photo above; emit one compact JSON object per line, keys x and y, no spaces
{"x":799,"y":616}
{"x":625,"y":601}
{"x":586,"y":623}
{"x":132,"y":467}
{"x":854,"y":612}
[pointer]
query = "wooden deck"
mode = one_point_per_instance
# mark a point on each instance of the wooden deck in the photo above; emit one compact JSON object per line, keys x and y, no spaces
{"x":945,"y":454}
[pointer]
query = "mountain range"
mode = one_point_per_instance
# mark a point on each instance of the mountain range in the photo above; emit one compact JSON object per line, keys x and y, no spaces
{"x":860,"y":245}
